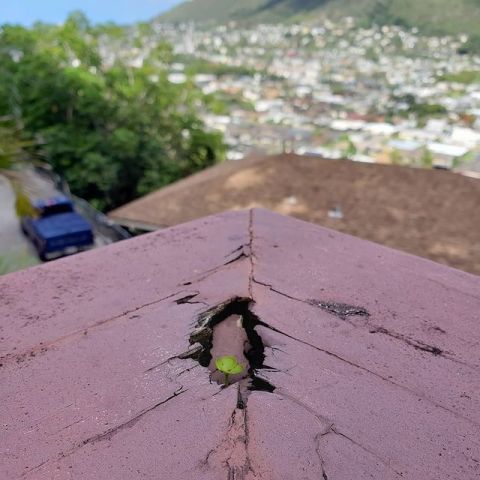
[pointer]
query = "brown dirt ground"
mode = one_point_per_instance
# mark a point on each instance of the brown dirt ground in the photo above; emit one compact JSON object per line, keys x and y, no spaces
{"x":429,"y":213}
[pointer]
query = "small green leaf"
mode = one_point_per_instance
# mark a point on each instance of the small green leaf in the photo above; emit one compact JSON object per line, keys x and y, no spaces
{"x":229,"y":365}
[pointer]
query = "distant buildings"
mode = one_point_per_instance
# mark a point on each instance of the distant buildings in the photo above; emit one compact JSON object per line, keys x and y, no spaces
{"x":378,"y":86}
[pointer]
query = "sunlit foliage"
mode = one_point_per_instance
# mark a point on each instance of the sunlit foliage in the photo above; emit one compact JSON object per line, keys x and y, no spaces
{"x":98,"y":106}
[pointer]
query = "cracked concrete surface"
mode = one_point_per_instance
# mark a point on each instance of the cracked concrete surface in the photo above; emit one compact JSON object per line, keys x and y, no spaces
{"x":374,"y":356}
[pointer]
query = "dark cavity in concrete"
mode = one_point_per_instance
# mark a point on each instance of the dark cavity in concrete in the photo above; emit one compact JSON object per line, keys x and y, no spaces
{"x":205,"y":341}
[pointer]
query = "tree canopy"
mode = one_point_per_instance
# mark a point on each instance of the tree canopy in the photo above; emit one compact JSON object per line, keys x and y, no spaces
{"x":98,"y":105}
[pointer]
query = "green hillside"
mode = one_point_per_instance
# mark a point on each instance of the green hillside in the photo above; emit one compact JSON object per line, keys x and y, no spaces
{"x":432,"y":16}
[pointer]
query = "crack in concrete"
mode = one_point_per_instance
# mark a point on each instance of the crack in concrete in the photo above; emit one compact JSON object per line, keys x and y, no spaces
{"x":329,"y":430}
{"x":416,"y":344}
{"x":283,"y":294}
{"x":317,"y":439}
{"x":164,"y":362}
{"x":243,"y":252}
{"x":188,"y":300}
{"x":451,"y":287}
{"x":251,"y":255}
{"x":381,"y":377}
{"x":204,"y":463}
{"x":238,"y":254}
{"x":320,"y":418}
{"x":303,"y":405}
{"x":204,"y":275}
{"x":238,"y":462}
{"x":419,"y":345}
{"x":108,"y":434}
{"x":35,"y":468}
{"x":44,"y":347}
{"x":333,"y":430}
{"x":340,"y":310}
{"x":239,"y":467}
{"x":187,"y":370}
{"x":343,"y":311}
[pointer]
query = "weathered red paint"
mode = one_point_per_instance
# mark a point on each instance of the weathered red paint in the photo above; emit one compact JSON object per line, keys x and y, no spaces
{"x":87,"y":391}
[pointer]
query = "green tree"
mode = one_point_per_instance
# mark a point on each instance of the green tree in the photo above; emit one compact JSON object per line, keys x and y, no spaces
{"x":115,"y":132}
{"x":12,"y":152}
{"x":12,"y":146}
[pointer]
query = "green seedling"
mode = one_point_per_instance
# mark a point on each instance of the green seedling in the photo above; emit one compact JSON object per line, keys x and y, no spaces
{"x":228,"y":365}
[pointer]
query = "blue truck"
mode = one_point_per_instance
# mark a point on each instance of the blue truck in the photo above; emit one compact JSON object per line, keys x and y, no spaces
{"x":57,"y":229}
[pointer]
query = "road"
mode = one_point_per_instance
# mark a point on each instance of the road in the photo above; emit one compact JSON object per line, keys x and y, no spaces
{"x":15,"y":250}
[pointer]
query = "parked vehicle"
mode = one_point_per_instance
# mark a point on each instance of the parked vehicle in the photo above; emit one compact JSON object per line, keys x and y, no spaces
{"x":57,"y":229}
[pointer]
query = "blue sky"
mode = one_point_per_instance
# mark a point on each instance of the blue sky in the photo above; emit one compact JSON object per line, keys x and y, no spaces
{"x":122,"y":11}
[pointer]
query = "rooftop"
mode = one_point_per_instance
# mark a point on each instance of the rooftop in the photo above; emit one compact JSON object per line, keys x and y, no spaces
{"x":430,"y":213}
{"x":362,"y":361}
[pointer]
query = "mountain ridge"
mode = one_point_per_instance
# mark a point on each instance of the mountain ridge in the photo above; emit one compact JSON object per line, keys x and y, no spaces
{"x":430,"y":16}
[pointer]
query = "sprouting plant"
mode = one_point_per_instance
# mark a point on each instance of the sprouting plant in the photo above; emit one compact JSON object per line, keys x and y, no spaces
{"x":228,"y":365}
